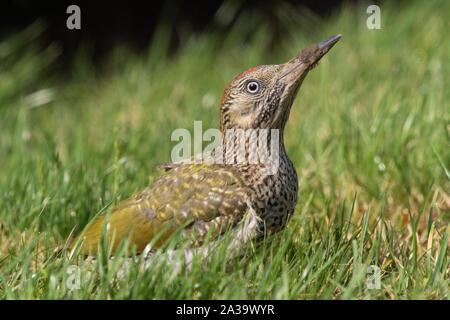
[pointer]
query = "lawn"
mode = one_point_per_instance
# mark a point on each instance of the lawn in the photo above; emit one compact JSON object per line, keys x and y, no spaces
{"x":369,"y":134}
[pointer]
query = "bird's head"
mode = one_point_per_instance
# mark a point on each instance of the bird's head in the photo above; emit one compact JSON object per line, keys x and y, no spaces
{"x":261,"y":97}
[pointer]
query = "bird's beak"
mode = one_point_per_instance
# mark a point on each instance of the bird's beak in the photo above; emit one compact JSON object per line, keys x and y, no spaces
{"x":296,"y":69}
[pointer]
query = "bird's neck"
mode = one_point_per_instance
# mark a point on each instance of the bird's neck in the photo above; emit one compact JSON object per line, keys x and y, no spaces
{"x":260,"y":148}
{"x":273,"y":178}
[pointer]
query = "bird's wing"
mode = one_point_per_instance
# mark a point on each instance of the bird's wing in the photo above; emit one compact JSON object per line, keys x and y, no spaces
{"x":198,"y":196}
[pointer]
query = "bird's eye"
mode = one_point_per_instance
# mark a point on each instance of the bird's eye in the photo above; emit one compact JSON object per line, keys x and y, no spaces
{"x":253,"y":87}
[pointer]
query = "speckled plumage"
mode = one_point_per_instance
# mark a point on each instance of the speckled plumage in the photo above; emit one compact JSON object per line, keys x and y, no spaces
{"x":203,"y":198}
{"x":197,"y":196}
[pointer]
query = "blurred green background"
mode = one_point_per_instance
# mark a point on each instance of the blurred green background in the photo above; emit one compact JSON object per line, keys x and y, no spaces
{"x":368,"y":133}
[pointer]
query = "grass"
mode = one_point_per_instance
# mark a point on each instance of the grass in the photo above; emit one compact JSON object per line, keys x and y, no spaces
{"x":368,"y":134}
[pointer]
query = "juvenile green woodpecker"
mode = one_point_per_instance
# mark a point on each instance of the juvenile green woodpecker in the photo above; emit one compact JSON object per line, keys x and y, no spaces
{"x":213,"y":197}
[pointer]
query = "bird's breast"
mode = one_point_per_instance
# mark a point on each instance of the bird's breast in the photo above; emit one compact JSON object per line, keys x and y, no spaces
{"x":273,"y":197}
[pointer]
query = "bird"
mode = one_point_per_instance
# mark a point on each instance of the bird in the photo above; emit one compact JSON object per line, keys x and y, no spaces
{"x":203,"y":200}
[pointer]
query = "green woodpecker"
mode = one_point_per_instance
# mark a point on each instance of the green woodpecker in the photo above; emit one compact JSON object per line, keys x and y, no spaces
{"x":204,"y":198}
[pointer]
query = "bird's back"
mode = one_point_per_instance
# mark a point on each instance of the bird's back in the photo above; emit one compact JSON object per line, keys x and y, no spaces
{"x":200,"y":198}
